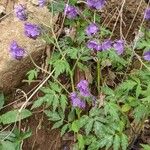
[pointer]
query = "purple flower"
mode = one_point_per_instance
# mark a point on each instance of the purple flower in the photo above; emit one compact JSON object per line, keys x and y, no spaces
{"x":83,"y":88}
{"x":147,"y":14}
{"x":20,"y":12}
{"x":42,"y":3}
{"x":32,"y":30}
{"x":146,"y":55}
{"x":93,"y":45}
{"x":96,"y":4}
{"x":92,"y":29}
{"x":106,"y":45}
{"x":76,"y":101}
{"x":70,"y":11}
{"x":16,"y":51}
{"x":119,"y":46}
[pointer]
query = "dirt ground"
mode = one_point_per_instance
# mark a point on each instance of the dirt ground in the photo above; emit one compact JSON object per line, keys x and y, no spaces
{"x":43,"y":138}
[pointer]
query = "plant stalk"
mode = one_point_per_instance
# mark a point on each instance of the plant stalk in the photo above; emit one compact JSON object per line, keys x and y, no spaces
{"x":98,"y":76}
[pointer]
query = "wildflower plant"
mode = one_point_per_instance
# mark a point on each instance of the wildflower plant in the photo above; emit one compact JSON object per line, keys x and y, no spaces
{"x":99,"y":118}
{"x":99,"y":113}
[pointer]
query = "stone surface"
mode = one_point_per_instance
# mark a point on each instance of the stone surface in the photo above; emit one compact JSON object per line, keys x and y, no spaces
{"x":13,"y":71}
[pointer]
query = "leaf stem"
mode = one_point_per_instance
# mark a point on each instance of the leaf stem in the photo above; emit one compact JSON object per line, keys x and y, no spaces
{"x":94,"y":19}
{"x":72,"y":82}
{"x":98,"y":76}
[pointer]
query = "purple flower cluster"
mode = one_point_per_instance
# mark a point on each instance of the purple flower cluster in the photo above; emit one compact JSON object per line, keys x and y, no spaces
{"x":83,"y":88}
{"x":32,"y":30}
{"x":146,"y":56}
{"x":92,"y":29}
{"x":16,"y":51}
{"x":106,"y":45}
{"x":118,"y":45}
{"x":76,"y":101}
{"x":20,"y":12}
{"x":77,"y":98}
{"x":94,"y":45}
{"x":147,"y":14}
{"x":96,"y":4}
{"x":70,"y":11}
{"x":41,"y":3}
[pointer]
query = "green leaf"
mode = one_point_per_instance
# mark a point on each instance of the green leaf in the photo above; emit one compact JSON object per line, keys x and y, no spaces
{"x":5,"y":134}
{"x":126,"y":107}
{"x":72,"y":52}
{"x":47,"y":98}
{"x":108,"y":91}
{"x":127,"y":85}
{"x":1,"y":100}
{"x":118,"y":126}
{"x":145,"y":146}
{"x":6,"y":145}
{"x":94,"y":112}
{"x":57,"y":124}
{"x":124,"y":142}
{"x":81,"y":141}
{"x":105,"y":32}
{"x":61,"y":113}
{"x":98,"y":129}
{"x":106,"y":141}
{"x":64,"y":128}
{"x":143,"y":43}
{"x":57,"y":6}
{"x":25,"y":135}
{"x":83,"y":120}
{"x":82,"y":66}
{"x":116,"y":59}
{"x":55,"y":87}
{"x":116,"y":143}
{"x":32,"y":74}
{"x":55,"y":102}
{"x":112,"y":109}
{"x":138,"y":90}
{"x":94,"y":145}
{"x":109,"y":142}
{"x":63,"y":102}
{"x":71,"y":115}
{"x":85,"y":58}
{"x":75,"y":146}
{"x":61,"y":66}
{"x":38,"y":102}
{"x":75,"y":126}
{"x":88,"y":126}
{"x":14,"y":115}
{"x":73,"y":2}
{"x":53,"y":116}
{"x":139,"y":112}
{"x":47,"y":90}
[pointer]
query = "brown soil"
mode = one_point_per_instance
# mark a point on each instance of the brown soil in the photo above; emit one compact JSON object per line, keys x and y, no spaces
{"x":43,"y":138}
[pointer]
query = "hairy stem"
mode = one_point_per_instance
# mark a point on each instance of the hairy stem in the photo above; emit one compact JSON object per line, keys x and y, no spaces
{"x":72,"y":81}
{"x":98,"y":76}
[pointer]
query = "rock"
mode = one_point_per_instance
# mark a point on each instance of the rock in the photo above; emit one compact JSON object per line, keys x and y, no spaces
{"x":12,"y":72}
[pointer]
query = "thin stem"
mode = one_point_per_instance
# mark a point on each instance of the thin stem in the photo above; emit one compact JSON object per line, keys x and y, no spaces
{"x":77,"y":60}
{"x":94,"y":20}
{"x":60,"y":84}
{"x":72,"y":82}
{"x":98,"y":76}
